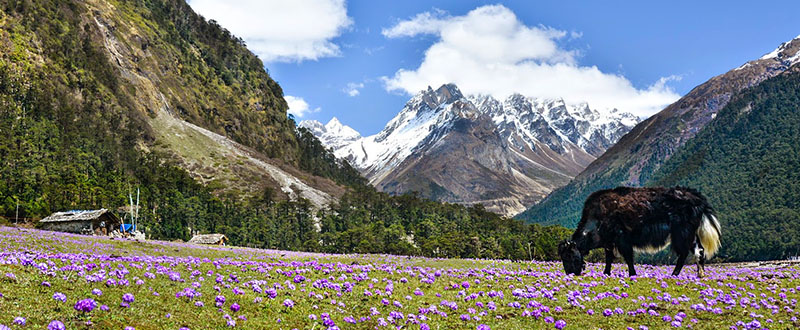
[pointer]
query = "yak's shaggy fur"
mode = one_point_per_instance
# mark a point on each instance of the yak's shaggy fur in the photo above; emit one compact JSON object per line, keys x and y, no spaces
{"x":623,"y":220}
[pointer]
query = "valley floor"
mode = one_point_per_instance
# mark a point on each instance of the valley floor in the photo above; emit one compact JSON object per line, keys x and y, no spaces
{"x":48,"y":278}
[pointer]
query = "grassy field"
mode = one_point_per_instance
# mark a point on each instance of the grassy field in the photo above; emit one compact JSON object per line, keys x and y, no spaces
{"x":48,"y":279}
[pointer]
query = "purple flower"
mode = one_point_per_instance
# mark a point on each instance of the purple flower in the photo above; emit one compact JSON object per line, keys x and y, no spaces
{"x":85,"y":305}
{"x":4,"y":327}
{"x":104,"y":308}
{"x":607,"y":312}
{"x":128,"y":298}
{"x":483,"y":327}
{"x":235,"y":307}
{"x":288,"y":303}
{"x":130,"y":328}
{"x":56,"y":325}
{"x":560,"y":324}
{"x":271,"y":293}
{"x":60,"y":297}
{"x":19,"y":320}
{"x":299,"y":279}
{"x":97,"y":292}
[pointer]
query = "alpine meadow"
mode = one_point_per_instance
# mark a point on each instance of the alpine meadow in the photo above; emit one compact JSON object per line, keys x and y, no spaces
{"x":331,"y":164}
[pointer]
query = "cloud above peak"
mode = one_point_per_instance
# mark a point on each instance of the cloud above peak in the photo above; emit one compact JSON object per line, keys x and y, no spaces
{"x":298,"y":106}
{"x":489,"y":51}
{"x":281,"y":31}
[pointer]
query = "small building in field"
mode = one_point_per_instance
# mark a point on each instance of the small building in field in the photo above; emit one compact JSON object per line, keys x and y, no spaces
{"x":88,"y":222}
{"x":211,"y":239}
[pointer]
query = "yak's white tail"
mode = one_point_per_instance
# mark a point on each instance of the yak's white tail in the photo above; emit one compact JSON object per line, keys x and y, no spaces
{"x":709,"y":234}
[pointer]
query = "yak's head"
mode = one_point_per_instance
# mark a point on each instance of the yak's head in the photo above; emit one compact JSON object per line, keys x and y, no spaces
{"x":571,"y":257}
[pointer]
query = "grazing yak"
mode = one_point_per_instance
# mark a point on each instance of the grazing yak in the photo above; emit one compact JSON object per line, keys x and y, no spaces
{"x":623,"y":220}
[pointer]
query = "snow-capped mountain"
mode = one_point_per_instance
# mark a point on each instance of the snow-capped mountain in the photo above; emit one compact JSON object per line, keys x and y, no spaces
{"x":590,"y":130}
{"x":788,"y":53}
{"x":477,"y":149}
{"x":333,"y":134}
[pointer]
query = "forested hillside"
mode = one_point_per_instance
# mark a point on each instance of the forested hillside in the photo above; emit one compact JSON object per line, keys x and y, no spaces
{"x":92,"y":94}
{"x":639,"y":154}
{"x":747,"y":162}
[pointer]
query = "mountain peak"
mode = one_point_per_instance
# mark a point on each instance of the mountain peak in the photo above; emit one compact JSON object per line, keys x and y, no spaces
{"x":788,"y":51}
{"x":448,"y":93}
{"x":334,"y":122}
{"x":335,"y":128}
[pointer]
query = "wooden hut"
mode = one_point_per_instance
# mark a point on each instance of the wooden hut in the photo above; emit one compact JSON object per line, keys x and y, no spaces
{"x":90,"y":222}
{"x":211,"y":239}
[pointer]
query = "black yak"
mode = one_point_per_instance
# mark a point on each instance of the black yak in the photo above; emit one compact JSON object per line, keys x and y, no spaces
{"x":623,"y":220}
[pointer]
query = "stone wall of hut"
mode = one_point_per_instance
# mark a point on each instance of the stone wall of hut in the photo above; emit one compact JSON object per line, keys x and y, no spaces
{"x":77,"y":227}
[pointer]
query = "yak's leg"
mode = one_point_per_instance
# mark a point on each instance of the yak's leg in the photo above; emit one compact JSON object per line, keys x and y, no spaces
{"x":609,"y":260}
{"x":679,"y":265}
{"x":626,"y":250}
{"x":682,"y":243}
{"x":700,"y":253}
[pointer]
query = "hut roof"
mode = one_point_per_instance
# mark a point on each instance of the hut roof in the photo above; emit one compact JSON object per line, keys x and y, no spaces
{"x":77,"y":215}
{"x":208,"y":238}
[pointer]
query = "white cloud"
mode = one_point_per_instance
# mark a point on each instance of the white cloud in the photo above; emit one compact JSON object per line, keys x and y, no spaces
{"x":423,"y":23}
{"x":353,"y":89}
{"x":490,"y":51}
{"x":298,"y":106}
{"x":278,"y":30}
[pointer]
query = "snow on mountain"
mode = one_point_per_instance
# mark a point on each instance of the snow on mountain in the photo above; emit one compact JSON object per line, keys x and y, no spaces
{"x":530,"y":136}
{"x":589,"y":129}
{"x":787,"y":54}
{"x":780,"y":52}
{"x":333,"y":134}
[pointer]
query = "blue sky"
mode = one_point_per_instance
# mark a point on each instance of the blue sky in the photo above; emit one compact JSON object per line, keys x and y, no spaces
{"x":637,"y":56}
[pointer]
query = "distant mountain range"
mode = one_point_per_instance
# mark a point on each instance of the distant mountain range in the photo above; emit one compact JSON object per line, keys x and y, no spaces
{"x":471,"y":149}
{"x":637,"y":159}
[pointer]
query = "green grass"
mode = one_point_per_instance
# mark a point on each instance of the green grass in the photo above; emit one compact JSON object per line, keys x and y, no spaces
{"x":68,"y":260}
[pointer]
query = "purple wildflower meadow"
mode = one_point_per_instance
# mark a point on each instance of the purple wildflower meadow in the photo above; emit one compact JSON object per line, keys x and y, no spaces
{"x":307,"y":290}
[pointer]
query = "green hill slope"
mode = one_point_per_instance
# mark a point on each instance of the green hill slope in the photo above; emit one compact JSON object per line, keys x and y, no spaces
{"x":639,"y":154}
{"x":747,"y":162}
{"x":88,"y":88}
